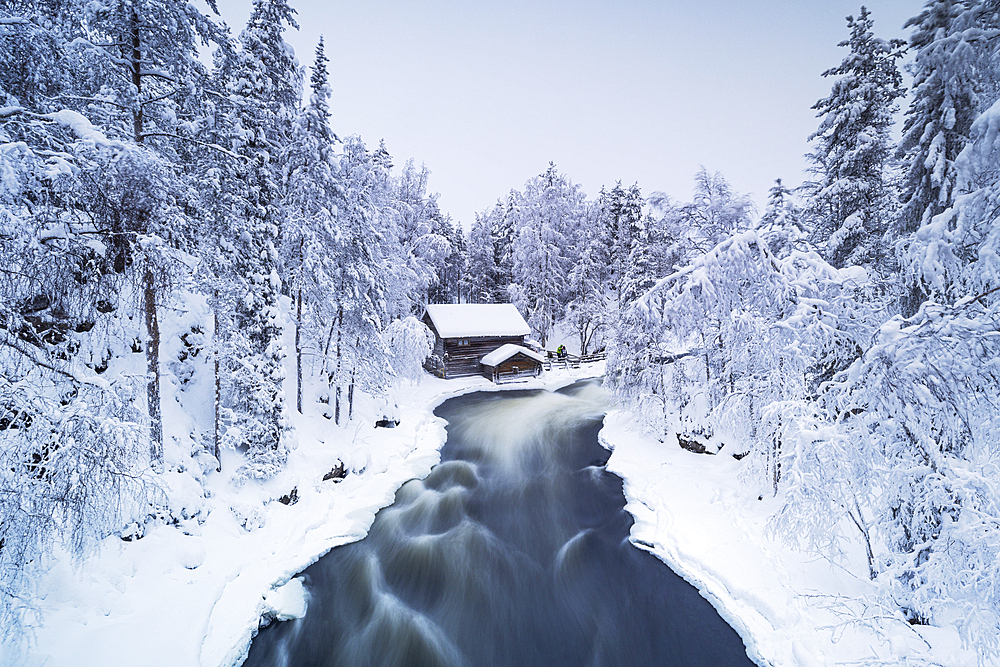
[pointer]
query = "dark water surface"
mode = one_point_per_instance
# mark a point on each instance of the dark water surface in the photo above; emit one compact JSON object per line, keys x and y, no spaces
{"x":513,"y":552}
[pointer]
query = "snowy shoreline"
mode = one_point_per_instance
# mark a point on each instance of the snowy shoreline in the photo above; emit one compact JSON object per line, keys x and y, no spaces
{"x":193,"y":594}
{"x":791,"y":608}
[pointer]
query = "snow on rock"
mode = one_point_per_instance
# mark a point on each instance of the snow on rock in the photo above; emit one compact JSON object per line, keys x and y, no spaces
{"x":287,"y":601}
{"x":791,"y":609}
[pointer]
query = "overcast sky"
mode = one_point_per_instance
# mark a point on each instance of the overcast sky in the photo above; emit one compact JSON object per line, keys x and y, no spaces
{"x":487,"y":93}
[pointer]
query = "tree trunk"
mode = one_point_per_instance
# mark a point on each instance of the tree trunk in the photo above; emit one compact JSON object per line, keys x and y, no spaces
{"x":340,"y":361}
{"x":336,"y":406}
{"x":298,"y":352}
{"x":350,"y":387}
{"x":153,"y":372}
{"x":217,"y":437}
{"x":135,"y":62}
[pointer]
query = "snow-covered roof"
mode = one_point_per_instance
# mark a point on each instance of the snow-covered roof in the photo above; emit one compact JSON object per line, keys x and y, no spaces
{"x":505,"y":352}
{"x":470,"y":320}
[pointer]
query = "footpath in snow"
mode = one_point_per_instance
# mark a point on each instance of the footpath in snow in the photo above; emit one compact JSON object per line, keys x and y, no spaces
{"x":792,"y":608}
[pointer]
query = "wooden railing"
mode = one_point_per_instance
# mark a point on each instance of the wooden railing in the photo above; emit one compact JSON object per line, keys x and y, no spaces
{"x":553,"y":360}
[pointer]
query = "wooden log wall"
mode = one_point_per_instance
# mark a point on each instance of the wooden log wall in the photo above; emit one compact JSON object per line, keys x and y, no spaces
{"x":464,"y":359}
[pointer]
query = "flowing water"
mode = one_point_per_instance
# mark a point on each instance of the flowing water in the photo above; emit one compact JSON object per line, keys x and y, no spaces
{"x":513,"y":552}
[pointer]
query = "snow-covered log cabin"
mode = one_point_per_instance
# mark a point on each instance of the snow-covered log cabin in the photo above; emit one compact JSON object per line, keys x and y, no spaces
{"x":465,"y":333}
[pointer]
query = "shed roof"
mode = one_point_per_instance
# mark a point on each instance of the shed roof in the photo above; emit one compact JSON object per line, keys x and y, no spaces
{"x":468,"y":320}
{"x":505,"y":352}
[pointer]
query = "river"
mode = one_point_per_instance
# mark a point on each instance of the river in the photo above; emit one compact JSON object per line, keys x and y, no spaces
{"x":514,"y":551}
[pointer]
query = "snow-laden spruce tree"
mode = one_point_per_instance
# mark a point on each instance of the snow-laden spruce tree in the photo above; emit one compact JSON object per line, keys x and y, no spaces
{"x":113,"y":64}
{"x":591,"y":304}
{"x":74,"y":202}
{"x":489,"y":250}
{"x":954,"y":79}
{"x":782,"y":224}
{"x":620,"y":226}
{"x":354,"y":354}
{"x":550,"y":205}
{"x":903,"y":444}
{"x":263,"y":81}
{"x":482,"y":271}
{"x":311,"y":239}
{"x":851,"y":201}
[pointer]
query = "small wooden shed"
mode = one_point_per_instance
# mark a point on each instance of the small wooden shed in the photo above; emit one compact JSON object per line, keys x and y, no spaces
{"x":511,"y":362}
{"x":465,"y":333}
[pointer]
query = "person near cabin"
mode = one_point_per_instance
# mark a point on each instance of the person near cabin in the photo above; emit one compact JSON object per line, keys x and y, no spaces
{"x":561,"y":351}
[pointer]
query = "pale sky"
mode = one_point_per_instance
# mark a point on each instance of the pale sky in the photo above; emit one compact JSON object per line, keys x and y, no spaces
{"x":487,"y":93}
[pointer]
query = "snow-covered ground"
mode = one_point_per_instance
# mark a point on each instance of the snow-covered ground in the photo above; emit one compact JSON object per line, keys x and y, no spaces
{"x":791,"y":608}
{"x":193,"y":593}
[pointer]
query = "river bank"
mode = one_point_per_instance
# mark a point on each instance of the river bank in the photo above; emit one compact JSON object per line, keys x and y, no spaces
{"x":792,"y":608}
{"x":193,"y":593}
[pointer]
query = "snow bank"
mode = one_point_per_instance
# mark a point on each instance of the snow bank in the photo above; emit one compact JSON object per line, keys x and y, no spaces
{"x":790,"y":608}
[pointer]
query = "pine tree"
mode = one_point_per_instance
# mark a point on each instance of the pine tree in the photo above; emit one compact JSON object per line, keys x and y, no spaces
{"x":355,"y":355}
{"x":620,"y":223}
{"x":309,"y":243}
{"x":551,"y":201}
{"x":589,"y":310}
{"x":782,"y":226}
{"x":481,"y":274}
{"x":853,"y":147}
{"x":96,"y":101}
{"x":952,"y":41}
{"x":263,"y":81}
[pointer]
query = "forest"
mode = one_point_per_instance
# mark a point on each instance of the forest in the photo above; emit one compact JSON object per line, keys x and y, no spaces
{"x":843,"y":343}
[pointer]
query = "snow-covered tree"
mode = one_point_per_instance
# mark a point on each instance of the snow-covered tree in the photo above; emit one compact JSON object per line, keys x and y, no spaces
{"x":421,"y":246}
{"x":714,"y":214}
{"x":481,"y":273}
{"x":263,"y":81}
{"x":782,"y":224}
{"x":354,"y":353}
{"x":710,"y":348}
{"x":620,"y":224}
{"x":410,"y":342}
{"x":489,"y":251}
{"x":541,"y":265}
{"x":850,"y":201}
{"x":310,"y":239}
{"x":589,"y":310}
{"x":903,"y":445}
{"x":954,"y":79}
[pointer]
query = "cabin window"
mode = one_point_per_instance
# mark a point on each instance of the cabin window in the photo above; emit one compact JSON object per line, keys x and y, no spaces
{"x":462,"y":342}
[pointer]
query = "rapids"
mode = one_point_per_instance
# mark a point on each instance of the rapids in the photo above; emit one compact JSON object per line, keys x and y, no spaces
{"x":513,"y":551}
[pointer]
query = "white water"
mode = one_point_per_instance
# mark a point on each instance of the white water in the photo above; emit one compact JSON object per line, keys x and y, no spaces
{"x":513,"y":551}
